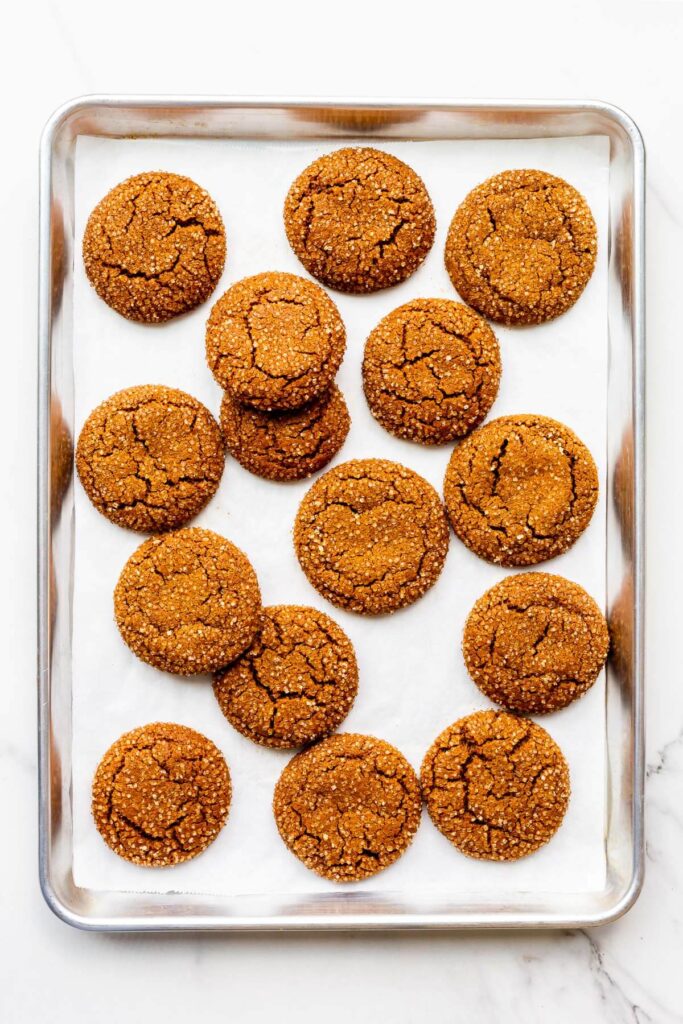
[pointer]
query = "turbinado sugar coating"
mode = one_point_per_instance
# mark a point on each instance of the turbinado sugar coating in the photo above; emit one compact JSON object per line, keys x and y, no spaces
{"x":359,"y":219}
{"x":295,"y":684}
{"x":150,"y":457}
{"x":535,"y":642}
{"x":154,"y":247}
{"x":520,"y":489}
{"x":348,"y":806}
{"x":188,"y":602}
{"x":521,"y":247}
{"x":497,"y":786}
{"x":431,"y":370}
{"x":275,"y":341}
{"x":371,"y":536}
{"x":288,"y":445}
{"x":161,"y":794}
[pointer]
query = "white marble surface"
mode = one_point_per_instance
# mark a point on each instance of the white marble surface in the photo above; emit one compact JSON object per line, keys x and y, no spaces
{"x":627,"y":53}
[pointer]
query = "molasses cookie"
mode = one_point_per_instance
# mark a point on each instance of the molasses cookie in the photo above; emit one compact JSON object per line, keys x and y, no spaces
{"x":150,"y":457}
{"x":296,"y":682}
{"x":521,"y":247}
{"x":188,"y":602}
{"x":161,"y":794}
{"x":275,"y":341}
{"x":348,"y":806}
{"x":431,"y":370}
{"x":359,"y":220}
{"x":520,"y":489}
{"x":154,"y":247}
{"x":286,"y":445}
{"x":496,"y":786}
{"x":371,"y":536}
{"x":535,"y":642}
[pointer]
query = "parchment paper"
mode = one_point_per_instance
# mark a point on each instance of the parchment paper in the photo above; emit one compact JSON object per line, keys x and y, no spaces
{"x":413,"y":681}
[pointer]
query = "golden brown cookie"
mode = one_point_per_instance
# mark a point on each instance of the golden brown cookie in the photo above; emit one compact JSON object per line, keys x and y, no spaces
{"x":188,"y":602}
{"x":371,"y":536}
{"x":520,"y":489}
{"x":348,"y":806}
{"x":431,"y":370}
{"x":286,"y":445}
{"x":295,"y":684}
{"x":535,"y":642}
{"x":154,"y":247}
{"x":359,"y":219}
{"x":161,"y":794}
{"x":521,"y":247}
{"x":497,"y":786}
{"x":150,"y":457}
{"x":275,"y":341}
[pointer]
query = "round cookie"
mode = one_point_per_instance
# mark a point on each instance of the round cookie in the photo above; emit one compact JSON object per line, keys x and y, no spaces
{"x":150,"y":457}
{"x":161,"y":794}
{"x":188,"y":602}
{"x":371,"y":536}
{"x":275,"y":341}
{"x":520,"y":489}
{"x":154,"y":247}
{"x":348,"y":806}
{"x":521,"y":247}
{"x":295,"y":684}
{"x":286,"y":445}
{"x":535,"y":642}
{"x":359,"y":219}
{"x":431,"y":370}
{"x":497,"y":786}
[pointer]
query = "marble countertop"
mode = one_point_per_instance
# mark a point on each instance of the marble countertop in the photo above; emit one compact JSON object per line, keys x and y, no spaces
{"x":626,"y":53}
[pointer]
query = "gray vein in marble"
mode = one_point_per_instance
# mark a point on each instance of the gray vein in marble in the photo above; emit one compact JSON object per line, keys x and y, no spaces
{"x":612,"y":995}
{"x":661,"y":764}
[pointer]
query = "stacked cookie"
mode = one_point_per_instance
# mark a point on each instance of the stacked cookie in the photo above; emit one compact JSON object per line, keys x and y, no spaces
{"x":371,"y":535}
{"x":274,"y":343}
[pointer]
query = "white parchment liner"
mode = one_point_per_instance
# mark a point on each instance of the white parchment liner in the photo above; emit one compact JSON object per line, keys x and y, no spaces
{"x":412,"y":678}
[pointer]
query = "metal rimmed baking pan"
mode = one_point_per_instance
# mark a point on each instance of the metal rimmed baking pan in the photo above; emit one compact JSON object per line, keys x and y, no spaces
{"x":283,"y":119}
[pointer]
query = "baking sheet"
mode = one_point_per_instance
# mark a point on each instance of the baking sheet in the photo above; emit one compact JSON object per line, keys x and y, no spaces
{"x":412,"y":679}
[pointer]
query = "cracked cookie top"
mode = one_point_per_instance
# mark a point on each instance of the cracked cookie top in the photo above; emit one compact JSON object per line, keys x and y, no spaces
{"x":359,"y":220}
{"x":497,"y":786}
{"x":348,"y":806}
{"x":535,"y":642}
{"x":161,"y":794}
{"x":188,"y":602}
{"x":295,"y":684}
{"x":150,"y":457}
{"x":431,"y":370}
{"x":520,"y":489}
{"x":287,"y":445}
{"x":521,"y":247}
{"x":275,"y":341}
{"x":371,"y":536}
{"x":154,"y":247}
